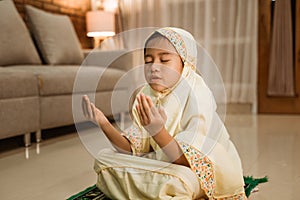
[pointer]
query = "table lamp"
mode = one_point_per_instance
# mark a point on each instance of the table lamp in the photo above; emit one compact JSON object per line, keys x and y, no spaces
{"x":100,"y":25}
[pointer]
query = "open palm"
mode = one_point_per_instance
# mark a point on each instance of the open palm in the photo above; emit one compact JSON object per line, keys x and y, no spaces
{"x":91,"y":112}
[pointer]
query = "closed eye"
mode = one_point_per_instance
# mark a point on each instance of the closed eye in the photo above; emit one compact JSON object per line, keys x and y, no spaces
{"x":164,"y":61}
{"x":148,"y":59}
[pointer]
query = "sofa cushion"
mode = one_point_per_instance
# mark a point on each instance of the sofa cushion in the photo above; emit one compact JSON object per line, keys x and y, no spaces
{"x":16,"y":45}
{"x":60,"y":80}
{"x":14,"y":83}
{"x":55,"y":37}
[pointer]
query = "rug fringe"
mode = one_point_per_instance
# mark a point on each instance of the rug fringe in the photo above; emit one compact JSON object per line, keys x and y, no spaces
{"x":251,"y":183}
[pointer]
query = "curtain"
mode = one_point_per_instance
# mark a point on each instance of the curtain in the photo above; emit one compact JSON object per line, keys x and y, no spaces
{"x":281,"y":70}
{"x":227,"y":29}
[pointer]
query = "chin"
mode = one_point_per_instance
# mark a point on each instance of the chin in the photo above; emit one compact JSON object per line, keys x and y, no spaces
{"x":157,"y":87}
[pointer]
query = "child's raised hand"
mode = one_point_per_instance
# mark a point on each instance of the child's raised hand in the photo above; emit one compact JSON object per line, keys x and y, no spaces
{"x":92,"y":113}
{"x":153,"y":119}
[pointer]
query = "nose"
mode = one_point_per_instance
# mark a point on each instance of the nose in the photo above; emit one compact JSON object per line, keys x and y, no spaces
{"x":155,"y":67}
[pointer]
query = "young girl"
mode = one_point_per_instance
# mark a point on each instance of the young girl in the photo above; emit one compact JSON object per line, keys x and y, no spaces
{"x":178,"y":147}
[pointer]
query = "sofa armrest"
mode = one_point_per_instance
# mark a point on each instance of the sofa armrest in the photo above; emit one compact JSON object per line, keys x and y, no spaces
{"x":118,"y":59}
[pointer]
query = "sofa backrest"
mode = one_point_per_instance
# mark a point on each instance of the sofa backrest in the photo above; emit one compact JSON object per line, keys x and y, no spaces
{"x":118,"y":59}
{"x":53,"y":42}
{"x":16,"y":45}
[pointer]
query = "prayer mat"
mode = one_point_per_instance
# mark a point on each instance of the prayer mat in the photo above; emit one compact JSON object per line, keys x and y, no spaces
{"x":90,"y":193}
{"x":93,"y":193}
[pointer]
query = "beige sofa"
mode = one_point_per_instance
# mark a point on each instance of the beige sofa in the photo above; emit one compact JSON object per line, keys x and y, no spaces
{"x":38,"y":69}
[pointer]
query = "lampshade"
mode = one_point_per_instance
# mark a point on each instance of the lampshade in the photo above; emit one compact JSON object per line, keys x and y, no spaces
{"x":100,"y":24}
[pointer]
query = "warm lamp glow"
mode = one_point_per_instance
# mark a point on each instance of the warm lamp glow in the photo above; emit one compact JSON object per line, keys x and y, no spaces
{"x":101,"y":34}
{"x":110,"y":5}
{"x":100,"y":24}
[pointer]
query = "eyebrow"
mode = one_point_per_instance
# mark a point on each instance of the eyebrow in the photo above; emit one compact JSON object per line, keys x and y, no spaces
{"x":160,"y":54}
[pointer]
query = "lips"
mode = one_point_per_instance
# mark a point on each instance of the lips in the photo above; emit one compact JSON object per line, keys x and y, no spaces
{"x":154,"y":78}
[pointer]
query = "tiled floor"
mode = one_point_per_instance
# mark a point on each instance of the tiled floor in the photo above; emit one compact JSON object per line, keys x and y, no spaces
{"x":61,"y":166}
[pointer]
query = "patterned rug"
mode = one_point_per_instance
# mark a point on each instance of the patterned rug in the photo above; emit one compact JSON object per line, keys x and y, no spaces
{"x":91,"y":193}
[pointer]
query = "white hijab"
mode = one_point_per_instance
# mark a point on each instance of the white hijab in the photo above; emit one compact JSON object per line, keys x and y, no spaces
{"x":190,"y":97}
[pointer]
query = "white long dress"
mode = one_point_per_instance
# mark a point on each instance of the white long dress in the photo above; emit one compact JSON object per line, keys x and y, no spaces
{"x":215,"y":168}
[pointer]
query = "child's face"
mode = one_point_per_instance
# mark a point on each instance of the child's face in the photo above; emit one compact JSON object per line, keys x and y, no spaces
{"x":163,"y":66}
